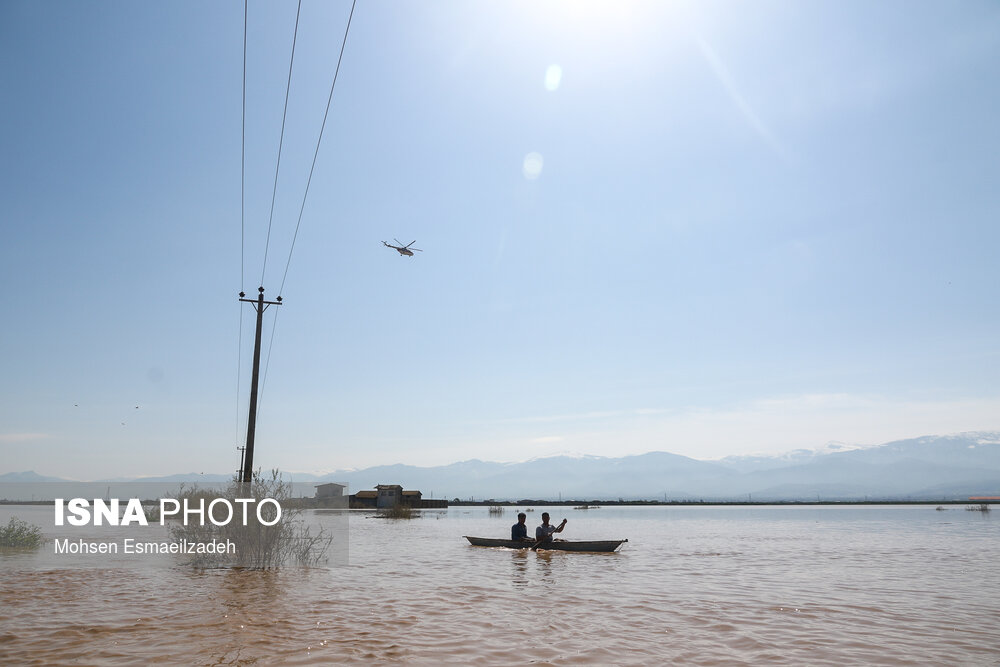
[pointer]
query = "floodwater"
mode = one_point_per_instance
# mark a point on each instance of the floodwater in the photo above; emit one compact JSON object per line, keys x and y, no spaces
{"x":900,"y":585}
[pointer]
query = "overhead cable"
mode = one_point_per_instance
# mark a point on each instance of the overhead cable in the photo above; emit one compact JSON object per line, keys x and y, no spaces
{"x":281,"y":141}
{"x":243,"y":180}
{"x":318,"y":142}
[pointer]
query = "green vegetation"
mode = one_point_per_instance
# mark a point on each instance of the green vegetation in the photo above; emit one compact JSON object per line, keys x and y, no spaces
{"x":258,"y":546}
{"x":397,"y":512}
{"x":18,"y":534}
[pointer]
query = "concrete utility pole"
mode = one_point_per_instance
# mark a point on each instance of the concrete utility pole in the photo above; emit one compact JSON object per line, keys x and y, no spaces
{"x":246,"y":471}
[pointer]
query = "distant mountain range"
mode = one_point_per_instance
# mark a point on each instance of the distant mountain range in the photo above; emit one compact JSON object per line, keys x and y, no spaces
{"x":930,"y":467}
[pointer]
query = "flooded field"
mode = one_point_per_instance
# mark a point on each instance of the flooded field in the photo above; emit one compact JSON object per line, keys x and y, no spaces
{"x":902,"y":585}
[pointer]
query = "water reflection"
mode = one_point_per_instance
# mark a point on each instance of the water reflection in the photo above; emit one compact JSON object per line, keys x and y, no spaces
{"x":519,"y":570}
{"x":241,"y":588}
{"x":543,"y":561}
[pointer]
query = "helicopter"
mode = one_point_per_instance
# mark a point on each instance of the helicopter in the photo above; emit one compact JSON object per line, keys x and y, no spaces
{"x":402,"y":249}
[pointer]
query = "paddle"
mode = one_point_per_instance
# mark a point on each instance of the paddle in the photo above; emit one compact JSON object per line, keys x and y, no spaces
{"x":534,"y":547}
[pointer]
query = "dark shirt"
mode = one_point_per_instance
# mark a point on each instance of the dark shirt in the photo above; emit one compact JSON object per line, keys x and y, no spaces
{"x":518,"y":531}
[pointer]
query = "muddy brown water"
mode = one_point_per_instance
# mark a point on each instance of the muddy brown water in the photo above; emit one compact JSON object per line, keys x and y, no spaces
{"x":901,"y":585}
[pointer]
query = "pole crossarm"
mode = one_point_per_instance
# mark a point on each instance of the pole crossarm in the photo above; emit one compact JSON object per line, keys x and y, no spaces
{"x":266,"y":303}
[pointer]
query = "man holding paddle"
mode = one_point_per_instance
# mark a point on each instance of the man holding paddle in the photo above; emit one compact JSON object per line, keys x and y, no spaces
{"x":544,"y":532}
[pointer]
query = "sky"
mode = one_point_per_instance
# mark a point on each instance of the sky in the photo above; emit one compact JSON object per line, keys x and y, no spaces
{"x":708,"y":228}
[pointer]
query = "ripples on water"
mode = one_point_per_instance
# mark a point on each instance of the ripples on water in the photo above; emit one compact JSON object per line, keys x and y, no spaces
{"x":694,"y":585}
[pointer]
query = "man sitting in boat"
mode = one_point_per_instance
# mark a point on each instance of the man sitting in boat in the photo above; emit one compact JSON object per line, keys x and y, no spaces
{"x":544,"y":532}
{"x":519,"y":531}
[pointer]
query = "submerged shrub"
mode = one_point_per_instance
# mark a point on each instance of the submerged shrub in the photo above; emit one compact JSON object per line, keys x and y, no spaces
{"x":397,"y":512}
{"x":257,"y":545}
{"x":20,"y":534}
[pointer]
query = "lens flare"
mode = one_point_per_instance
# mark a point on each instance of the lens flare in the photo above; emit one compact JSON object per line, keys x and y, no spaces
{"x":532,"y":166}
{"x":553,"y":75}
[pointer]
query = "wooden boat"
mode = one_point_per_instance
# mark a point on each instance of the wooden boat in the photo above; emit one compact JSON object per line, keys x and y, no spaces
{"x":553,"y":545}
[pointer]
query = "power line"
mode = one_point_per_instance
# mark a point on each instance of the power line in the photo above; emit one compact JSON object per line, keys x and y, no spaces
{"x":243,"y":180}
{"x":312,"y":168}
{"x":281,"y":141}
{"x":318,"y":142}
{"x":267,"y":362}
{"x":243,"y":158}
{"x":239,"y":373}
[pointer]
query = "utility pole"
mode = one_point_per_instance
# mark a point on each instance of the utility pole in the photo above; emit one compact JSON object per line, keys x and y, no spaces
{"x":260,"y":306}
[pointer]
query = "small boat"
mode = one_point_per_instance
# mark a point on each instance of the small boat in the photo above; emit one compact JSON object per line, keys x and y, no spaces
{"x":553,"y":545}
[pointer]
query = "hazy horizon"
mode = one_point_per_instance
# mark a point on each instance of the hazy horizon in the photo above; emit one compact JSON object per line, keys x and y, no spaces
{"x":568,"y":454}
{"x":987,"y":437}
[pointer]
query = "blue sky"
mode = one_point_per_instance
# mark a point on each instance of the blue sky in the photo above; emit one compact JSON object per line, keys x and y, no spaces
{"x":706,"y":228}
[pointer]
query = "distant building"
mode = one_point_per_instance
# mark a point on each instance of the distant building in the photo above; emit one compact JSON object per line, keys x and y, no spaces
{"x":389,"y":495}
{"x":363,"y":499}
{"x":330,"y":490}
{"x":386,"y":496}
